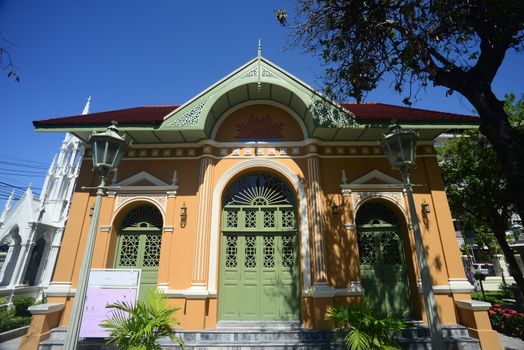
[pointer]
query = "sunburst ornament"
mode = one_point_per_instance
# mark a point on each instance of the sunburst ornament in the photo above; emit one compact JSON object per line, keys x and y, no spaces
{"x":260,"y":128}
{"x":259,"y":190}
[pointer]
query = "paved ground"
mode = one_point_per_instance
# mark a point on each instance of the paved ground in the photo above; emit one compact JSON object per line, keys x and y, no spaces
{"x":10,"y":344}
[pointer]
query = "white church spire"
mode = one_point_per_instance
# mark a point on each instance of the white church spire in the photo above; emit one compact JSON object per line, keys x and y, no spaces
{"x":87,"y":106}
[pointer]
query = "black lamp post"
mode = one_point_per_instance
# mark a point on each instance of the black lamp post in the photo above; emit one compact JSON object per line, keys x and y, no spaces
{"x":400,"y":147}
{"x":108,"y":149}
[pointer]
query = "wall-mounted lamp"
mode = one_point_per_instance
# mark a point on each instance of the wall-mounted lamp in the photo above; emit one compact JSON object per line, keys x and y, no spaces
{"x":335,"y":209}
{"x":425,"y":207}
{"x":183,"y":215}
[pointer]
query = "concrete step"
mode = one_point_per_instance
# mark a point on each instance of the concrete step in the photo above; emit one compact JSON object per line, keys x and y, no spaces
{"x":415,"y":337}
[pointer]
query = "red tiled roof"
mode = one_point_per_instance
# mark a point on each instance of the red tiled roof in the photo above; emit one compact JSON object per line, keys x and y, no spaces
{"x":364,"y":112}
{"x":375,"y":112}
{"x":151,"y":115}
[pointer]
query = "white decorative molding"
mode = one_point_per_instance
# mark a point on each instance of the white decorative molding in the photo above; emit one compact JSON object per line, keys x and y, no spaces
{"x":223,"y":151}
{"x":191,"y":152}
{"x":328,"y":150}
{"x":169,"y":229}
{"x":475,"y":305}
{"x":350,"y":226}
{"x":105,"y":228}
{"x":359,"y":197}
{"x":260,"y":151}
{"x":266,"y":73}
{"x":283,"y":151}
{"x":295,"y":151}
{"x":379,"y":175}
{"x":124,"y":198}
{"x":45,"y":309}
{"x":252,"y":73}
{"x":191,"y":117}
{"x":452,"y":287}
{"x":340,"y":150}
{"x":179,"y":152}
{"x":141,"y":176}
{"x":60,"y":289}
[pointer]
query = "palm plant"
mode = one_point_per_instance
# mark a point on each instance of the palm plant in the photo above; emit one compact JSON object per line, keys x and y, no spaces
{"x":360,"y":329}
{"x":138,"y":326}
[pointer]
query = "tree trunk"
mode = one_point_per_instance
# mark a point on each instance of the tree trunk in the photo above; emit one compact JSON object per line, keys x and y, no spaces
{"x":500,"y":235}
{"x":508,"y":143}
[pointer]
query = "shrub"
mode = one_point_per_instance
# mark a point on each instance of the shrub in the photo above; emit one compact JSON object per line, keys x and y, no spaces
{"x":21,"y":304}
{"x":139,"y":326}
{"x":507,"y":321}
{"x":361,"y":329}
{"x":9,"y":321}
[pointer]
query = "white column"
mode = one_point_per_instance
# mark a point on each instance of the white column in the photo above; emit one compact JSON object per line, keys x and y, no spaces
{"x":201,"y":252}
{"x":315,"y":201}
{"x":21,"y":265}
{"x":51,"y":258}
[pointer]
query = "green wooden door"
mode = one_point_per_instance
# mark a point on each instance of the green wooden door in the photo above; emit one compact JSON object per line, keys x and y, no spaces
{"x":139,"y":245}
{"x":382,"y":267}
{"x":258,"y":266}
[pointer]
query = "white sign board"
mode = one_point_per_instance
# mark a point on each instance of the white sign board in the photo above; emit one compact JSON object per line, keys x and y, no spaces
{"x":114,"y":278}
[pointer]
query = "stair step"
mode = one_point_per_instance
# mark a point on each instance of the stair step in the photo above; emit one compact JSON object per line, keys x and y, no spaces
{"x":415,"y":337}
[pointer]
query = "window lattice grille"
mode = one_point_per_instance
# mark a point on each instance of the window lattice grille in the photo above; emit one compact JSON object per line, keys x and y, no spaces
{"x":269,"y":251}
{"x":151,"y":256}
{"x":269,"y":218}
{"x":251,"y":218}
{"x":288,"y":259}
{"x":232,"y":218}
{"x":146,"y":216}
{"x":288,"y":218}
{"x":366,"y":248}
{"x":250,"y":252}
{"x":390,"y":247}
{"x":375,"y":213}
{"x":259,"y":189}
{"x":231,"y":251}
{"x":129,"y":250}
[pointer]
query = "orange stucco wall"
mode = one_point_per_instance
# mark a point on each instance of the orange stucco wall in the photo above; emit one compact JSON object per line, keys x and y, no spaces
{"x":340,"y":242}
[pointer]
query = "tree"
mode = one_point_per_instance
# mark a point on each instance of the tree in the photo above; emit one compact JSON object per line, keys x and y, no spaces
{"x":477,"y":189}
{"x":6,"y":62}
{"x":457,"y":44}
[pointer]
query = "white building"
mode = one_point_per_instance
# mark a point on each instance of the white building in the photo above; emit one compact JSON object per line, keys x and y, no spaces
{"x":32,"y":228}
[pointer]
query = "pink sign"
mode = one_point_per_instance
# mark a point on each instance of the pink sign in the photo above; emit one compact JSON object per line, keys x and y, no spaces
{"x":95,"y":310}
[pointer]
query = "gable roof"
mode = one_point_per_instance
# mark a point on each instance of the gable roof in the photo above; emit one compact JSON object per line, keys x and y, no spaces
{"x":259,"y":81}
{"x":364,"y":113}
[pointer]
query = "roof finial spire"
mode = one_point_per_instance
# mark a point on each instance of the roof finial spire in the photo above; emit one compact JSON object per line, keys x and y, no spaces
{"x":86,"y":108}
{"x":259,"y":48}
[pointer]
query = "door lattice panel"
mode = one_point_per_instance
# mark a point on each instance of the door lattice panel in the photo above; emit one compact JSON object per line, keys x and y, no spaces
{"x":129,"y":250}
{"x":389,"y":244}
{"x":366,"y":248}
{"x":231,"y":251}
{"x":288,"y":255}
{"x":151,"y":255}
{"x":251,"y":252}
{"x":269,"y":251}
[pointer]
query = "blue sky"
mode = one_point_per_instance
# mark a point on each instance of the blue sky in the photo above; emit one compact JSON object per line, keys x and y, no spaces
{"x":127,"y":53}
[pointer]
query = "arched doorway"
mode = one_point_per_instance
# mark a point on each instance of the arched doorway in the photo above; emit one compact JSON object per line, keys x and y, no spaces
{"x":382,"y":261}
{"x":34,"y":262}
{"x":139,"y":243}
{"x":259,"y":277}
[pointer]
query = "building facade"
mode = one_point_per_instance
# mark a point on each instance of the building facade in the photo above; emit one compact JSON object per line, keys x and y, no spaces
{"x":262,"y":200}
{"x":32,"y":228}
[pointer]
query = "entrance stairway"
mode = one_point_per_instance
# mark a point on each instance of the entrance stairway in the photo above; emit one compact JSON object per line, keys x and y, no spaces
{"x":231,"y":338}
